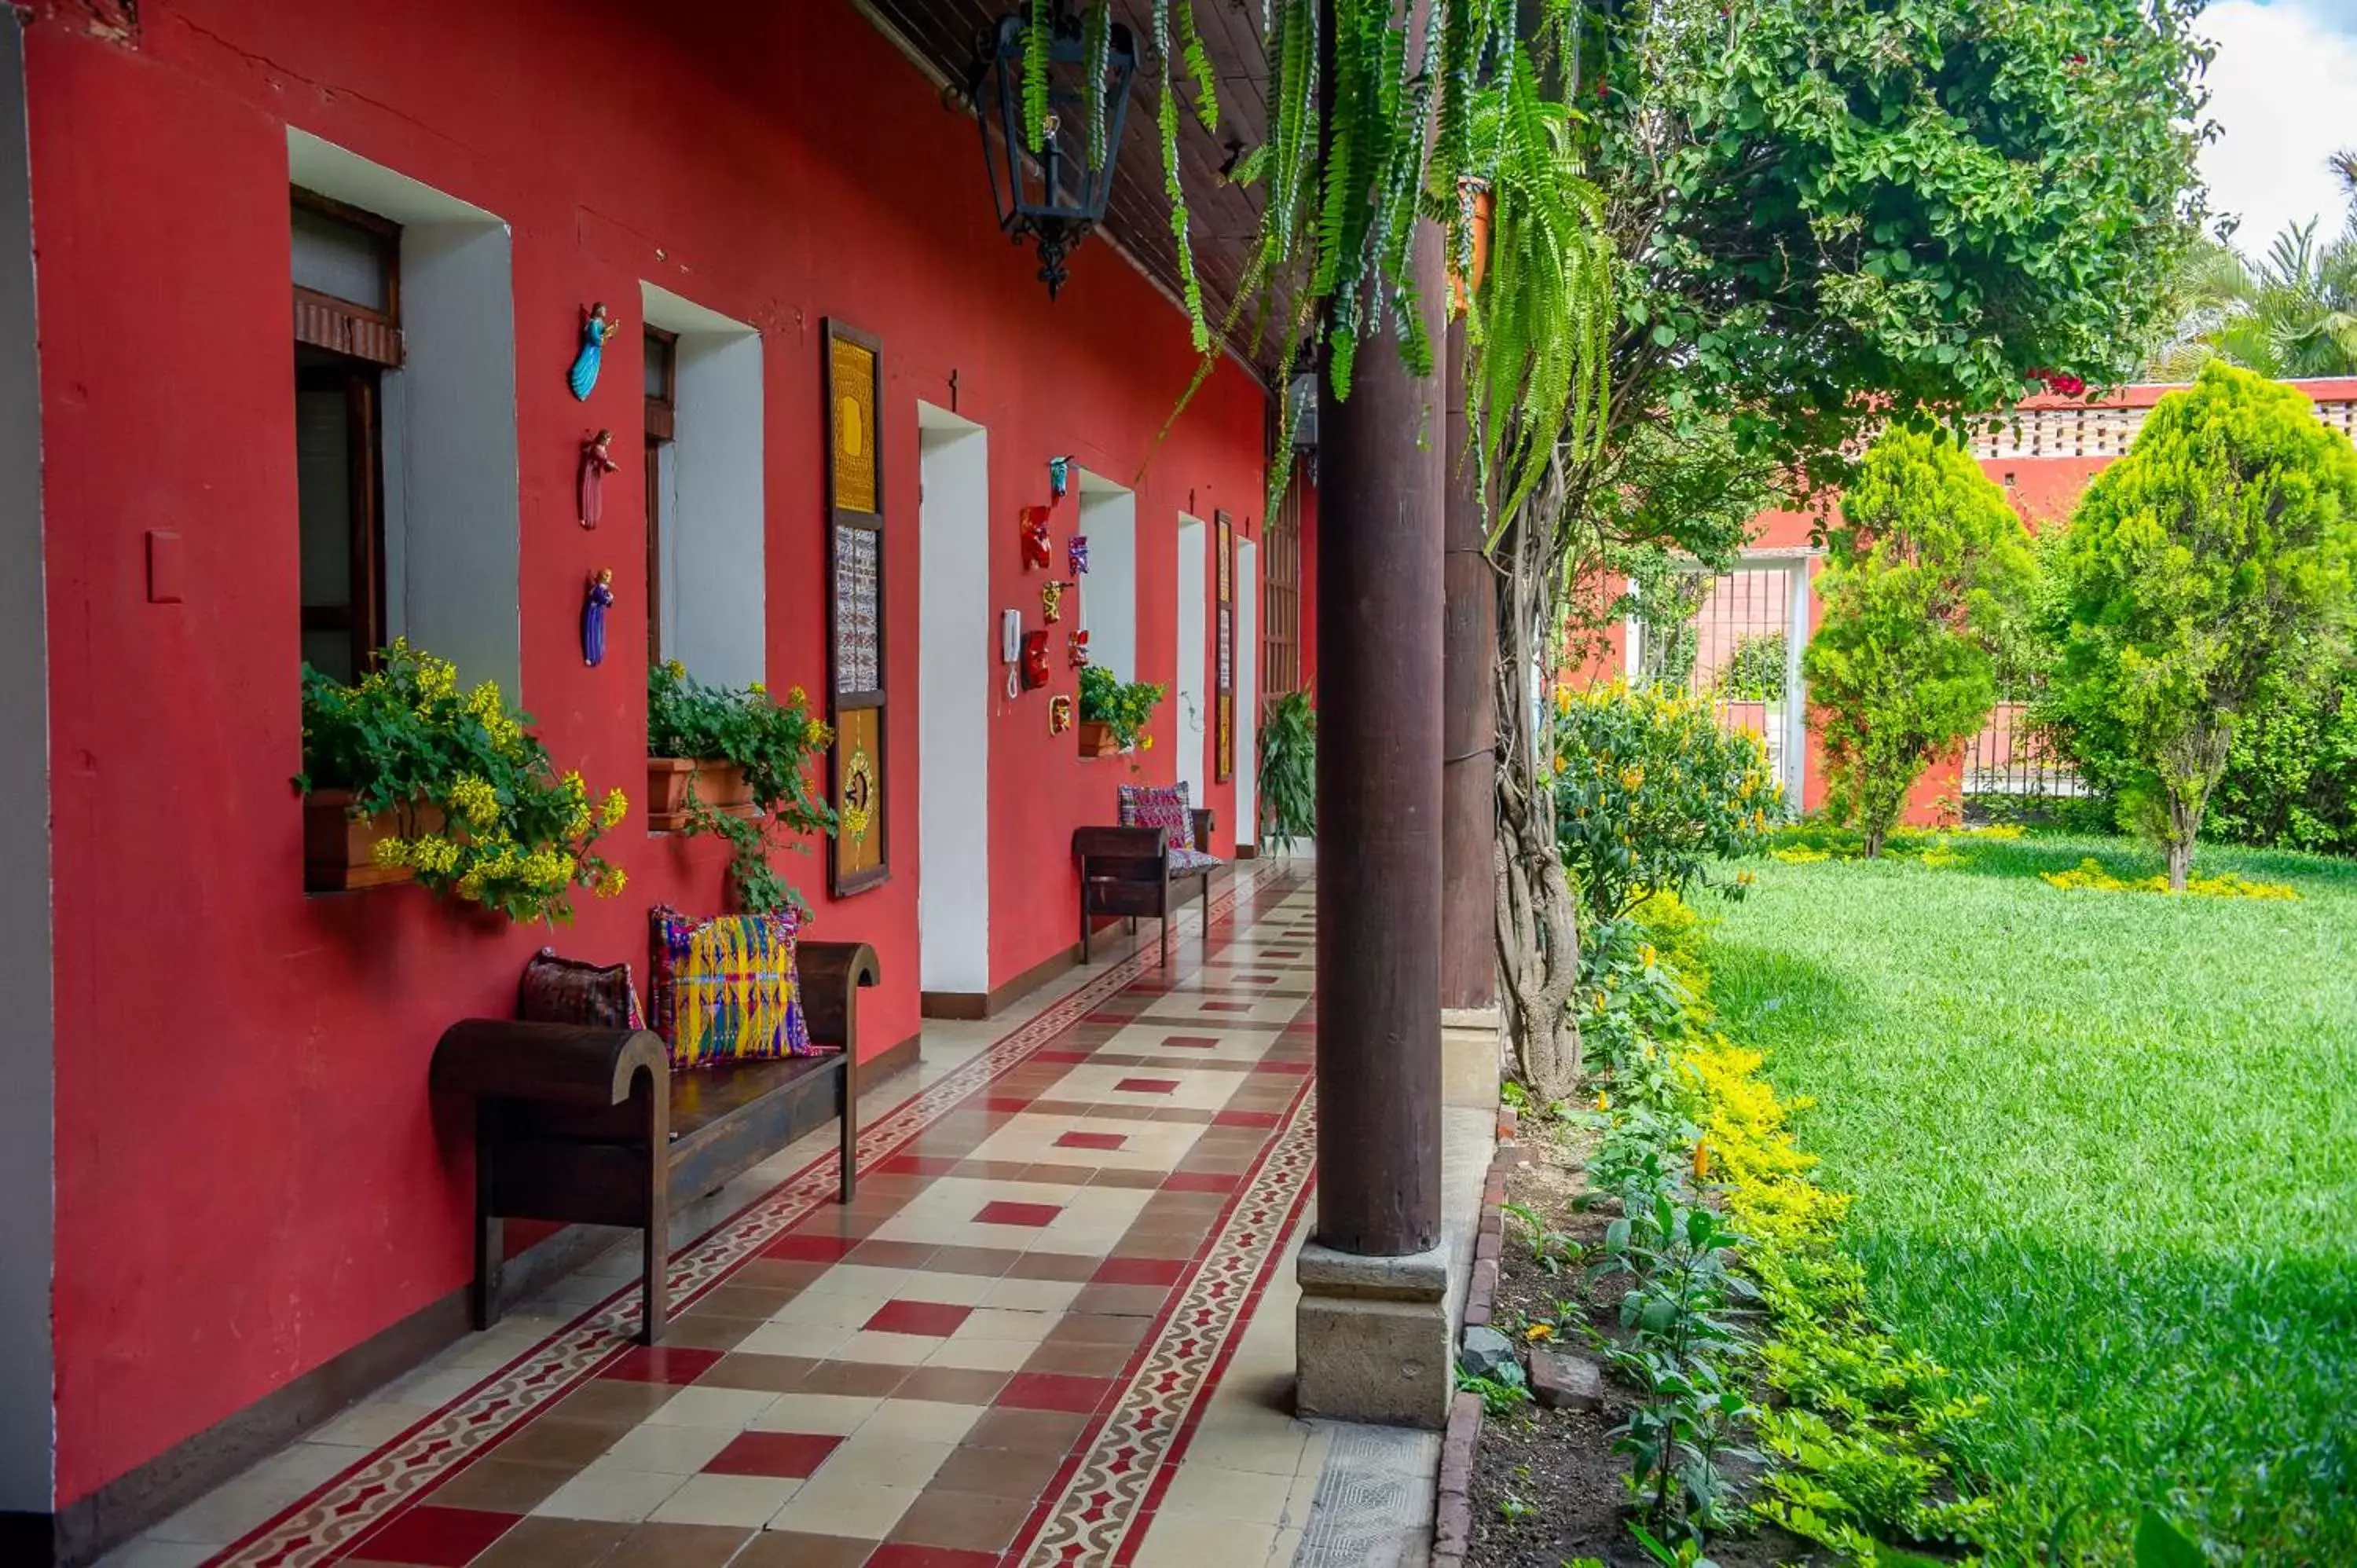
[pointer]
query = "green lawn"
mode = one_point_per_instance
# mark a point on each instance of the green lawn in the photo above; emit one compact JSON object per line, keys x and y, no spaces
{"x":2104,"y":1152}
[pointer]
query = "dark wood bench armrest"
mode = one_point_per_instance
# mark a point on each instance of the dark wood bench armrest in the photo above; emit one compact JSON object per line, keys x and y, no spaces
{"x":830,"y":975}
{"x":1204,"y":822}
{"x":566,"y":1064}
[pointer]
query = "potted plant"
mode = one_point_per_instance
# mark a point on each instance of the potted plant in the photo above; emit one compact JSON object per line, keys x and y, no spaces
{"x":1113,"y":711}
{"x":739,"y":760}
{"x":406,"y":778}
{"x":689,"y":727}
{"x":1288,"y":771}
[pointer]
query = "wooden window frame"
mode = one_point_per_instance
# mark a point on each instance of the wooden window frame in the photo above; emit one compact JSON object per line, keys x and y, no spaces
{"x":363,"y":618}
{"x":662,"y":430}
{"x":1280,"y":596}
{"x":342,"y":326}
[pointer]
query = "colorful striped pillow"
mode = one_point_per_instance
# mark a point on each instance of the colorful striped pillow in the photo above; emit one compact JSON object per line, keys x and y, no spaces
{"x":724,"y":990}
{"x":1159,"y":806}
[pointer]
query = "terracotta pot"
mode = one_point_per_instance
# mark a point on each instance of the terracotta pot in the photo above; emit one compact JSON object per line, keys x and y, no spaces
{"x":1097,"y":738}
{"x":340,"y":850}
{"x":720,"y":785}
{"x":1484,"y":202}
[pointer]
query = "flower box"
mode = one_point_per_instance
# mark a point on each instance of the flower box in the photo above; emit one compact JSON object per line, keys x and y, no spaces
{"x":1097,"y":738}
{"x":339,"y":849}
{"x":720,"y":785}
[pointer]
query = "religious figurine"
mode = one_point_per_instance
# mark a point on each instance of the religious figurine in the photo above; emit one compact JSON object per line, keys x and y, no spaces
{"x":597,"y":462}
{"x":1035,"y":659}
{"x":1076,"y":555}
{"x":1060,"y":715}
{"x":1060,"y":477}
{"x":1076,"y":650}
{"x":594,"y":606}
{"x":1035,"y":537}
{"x":1052,"y":601}
{"x":596,"y":327}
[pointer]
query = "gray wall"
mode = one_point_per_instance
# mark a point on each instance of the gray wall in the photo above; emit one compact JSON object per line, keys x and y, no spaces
{"x":26,"y":1063}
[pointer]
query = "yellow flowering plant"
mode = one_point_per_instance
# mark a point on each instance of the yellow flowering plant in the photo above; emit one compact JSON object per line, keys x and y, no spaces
{"x":513,"y":835}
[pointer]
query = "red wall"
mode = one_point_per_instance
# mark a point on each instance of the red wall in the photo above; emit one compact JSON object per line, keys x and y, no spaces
{"x":251,"y":1176}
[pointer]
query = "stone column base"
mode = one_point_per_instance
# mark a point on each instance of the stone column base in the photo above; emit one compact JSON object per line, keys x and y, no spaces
{"x":1470,"y":1055}
{"x":1371,"y":1338}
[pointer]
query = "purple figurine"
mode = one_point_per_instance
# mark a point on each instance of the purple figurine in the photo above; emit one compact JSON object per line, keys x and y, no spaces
{"x":594,"y":606}
{"x":1077,"y":553}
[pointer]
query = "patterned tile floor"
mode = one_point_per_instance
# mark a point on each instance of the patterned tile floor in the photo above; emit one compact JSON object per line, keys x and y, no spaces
{"x":1067,"y":1271}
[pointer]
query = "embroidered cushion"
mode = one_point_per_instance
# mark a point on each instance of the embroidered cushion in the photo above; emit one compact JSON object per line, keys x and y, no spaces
{"x":1159,"y":806}
{"x":1193,"y":860}
{"x":723,"y":989}
{"x":568,"y":990}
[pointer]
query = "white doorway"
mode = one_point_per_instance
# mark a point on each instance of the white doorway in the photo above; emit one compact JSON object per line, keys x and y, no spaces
{"x":954,"y":666}
{"x":1108,"y":592}
{"x":1188,"y":694}
{"x":1247,"y":676}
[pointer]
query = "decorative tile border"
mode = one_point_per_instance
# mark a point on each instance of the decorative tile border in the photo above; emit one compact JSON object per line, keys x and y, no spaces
{"x":1452,"y":1524}
{"x":321,"y":1526}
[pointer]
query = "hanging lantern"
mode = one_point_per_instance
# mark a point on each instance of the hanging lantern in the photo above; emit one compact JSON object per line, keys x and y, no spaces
{"x":1053,"y":194}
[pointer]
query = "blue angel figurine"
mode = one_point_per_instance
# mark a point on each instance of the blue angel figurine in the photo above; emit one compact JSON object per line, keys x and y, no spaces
{"x":594,"y":606}
{"x":596,"y":327}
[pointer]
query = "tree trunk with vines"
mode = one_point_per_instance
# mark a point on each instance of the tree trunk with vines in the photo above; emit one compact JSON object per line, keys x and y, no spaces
{"x":1538,"y":928}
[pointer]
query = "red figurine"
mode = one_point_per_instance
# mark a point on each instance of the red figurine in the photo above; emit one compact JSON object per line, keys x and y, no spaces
{"x":1076,"y":651}
{"x":1035,"y":659}
{"x":1035,"y":537}
{"x":597,"y":462}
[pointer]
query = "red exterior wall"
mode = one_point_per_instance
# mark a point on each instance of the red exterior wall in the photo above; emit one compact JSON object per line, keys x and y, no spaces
{"x":251,"y":1176}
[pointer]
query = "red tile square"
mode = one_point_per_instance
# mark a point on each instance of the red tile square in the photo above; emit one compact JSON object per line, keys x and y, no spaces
{"x":1147,"y":1085}
{"x":1092,"y":1141}
{"x":1002,"y":1212}
{"x":916,"y":1165}
{"x":1301,"y":1070}
{"x":1067,"y":1057}
{"x":436,"y":1537}
{"x":1191,"y":1042}
{"x":1227,"y":1006}
{"x":1246,"y":1118}
{"x":1006,"y":1102}
{"x":788,"y":1456}
{"x":1199,"y":1181}
{"x":1256,"y":980}
{"x":907,"y":1554}
{"x":1139,"y":1272}
{"x":810,"y":1249}
{"x":1054,"y":1390}
{"x":937,"y":1318}
{"x":659,"y":1364}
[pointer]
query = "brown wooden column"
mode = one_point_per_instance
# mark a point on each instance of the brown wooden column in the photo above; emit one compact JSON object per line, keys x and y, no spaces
{"x":1379,"y":671}
{"x":1469,"y":742}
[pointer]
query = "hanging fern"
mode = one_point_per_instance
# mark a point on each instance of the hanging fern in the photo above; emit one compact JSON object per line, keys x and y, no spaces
{"x":1198,"y":67}
{"x":1096,"y":56}
{"x":1039,"y":41}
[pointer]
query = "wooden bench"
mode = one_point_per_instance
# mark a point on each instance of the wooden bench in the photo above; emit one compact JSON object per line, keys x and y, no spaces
{"x":590,"y":1126}
{"x":1127,"y":871}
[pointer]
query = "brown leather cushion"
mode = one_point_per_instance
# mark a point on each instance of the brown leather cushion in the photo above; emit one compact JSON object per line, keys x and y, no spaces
{"x":568,"y":990}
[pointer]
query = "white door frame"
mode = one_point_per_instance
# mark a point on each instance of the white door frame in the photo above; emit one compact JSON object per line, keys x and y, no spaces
{"x":956,"y":662}
{"x":1189,"y":689}
{"x":1247,"y":693}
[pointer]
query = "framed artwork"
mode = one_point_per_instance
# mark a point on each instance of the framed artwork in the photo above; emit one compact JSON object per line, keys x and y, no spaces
{"x":1223,"y":689}
{"x":858,"y":857}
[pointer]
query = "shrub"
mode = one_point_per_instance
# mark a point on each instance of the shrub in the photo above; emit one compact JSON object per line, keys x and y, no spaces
{"x":2206,"y":573}
{"x":1288,"y":770}
{"x":1754,"y":672}
{"x":516,"y":837}
{"x":1927,"y":563}
{"x":1120,"y":706}
{"x":1650,"y":792}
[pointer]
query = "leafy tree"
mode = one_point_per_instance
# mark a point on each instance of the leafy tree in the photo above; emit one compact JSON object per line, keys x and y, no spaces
{"x":1925,"y":565}
{"x":1822,"y":214}
{"x":2209,"y":570}
{"x":2291,"y":313}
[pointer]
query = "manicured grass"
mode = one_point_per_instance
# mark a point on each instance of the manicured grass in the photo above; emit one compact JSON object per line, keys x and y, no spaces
{"x":2104,"y":1152}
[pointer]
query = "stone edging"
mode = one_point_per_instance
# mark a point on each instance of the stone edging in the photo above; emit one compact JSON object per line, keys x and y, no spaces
{"x":1452,"y":1524}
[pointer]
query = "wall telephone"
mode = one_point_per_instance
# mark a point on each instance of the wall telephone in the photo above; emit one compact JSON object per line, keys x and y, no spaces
{"x":1010,"y":648}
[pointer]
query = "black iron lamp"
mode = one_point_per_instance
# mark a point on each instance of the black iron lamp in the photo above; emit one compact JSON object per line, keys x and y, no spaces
{"x":1056,"y":196}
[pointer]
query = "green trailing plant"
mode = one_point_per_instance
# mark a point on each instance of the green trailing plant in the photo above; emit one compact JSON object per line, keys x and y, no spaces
{"x":1123,"y":707}
{"x":512,"y":834}
{"x":2211,"y":568}
{"x":1927,"y":562}
{"x":1288,"y":771}
{"x":775,"y":743}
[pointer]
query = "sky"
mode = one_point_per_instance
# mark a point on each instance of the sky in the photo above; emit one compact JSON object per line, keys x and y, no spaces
{"x":2283,"y":91}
